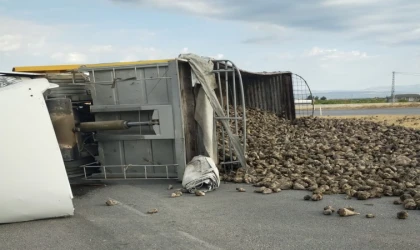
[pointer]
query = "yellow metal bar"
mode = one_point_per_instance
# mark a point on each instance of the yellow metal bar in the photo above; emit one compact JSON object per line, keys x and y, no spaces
{"x":71,"y":67}
{"x":46,"y":69}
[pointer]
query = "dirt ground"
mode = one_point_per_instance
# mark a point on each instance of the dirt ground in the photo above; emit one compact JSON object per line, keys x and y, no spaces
{"x":410,"y":121}
{"x":362,"y":106}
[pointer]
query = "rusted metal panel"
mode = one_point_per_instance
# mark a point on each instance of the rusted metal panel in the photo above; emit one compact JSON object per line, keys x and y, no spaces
{"x":188,"y":106}
{"x":62,"y":118}
{"x":271,"y":92}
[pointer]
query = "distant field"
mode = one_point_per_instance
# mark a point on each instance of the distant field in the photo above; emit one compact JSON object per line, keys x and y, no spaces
{"x":351,"y":101}
{"x":362,"y":105}
{"x":410,"y":121}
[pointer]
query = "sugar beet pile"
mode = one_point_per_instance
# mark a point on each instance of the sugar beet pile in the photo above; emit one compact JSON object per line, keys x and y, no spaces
{"x":359,"y":158}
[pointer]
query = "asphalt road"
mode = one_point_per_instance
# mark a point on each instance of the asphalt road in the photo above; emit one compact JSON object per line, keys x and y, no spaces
{"x":389,"y":111}
{"x":223,"y":219}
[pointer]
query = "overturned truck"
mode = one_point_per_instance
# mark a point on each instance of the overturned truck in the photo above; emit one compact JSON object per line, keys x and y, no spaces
{"x":148,"y":119}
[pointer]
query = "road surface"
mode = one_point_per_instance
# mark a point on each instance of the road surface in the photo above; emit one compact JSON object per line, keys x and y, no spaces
{"x":391,"y":111}
{"x":224,"y":219}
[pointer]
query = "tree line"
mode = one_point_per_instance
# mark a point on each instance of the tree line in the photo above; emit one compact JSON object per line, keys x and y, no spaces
{"x":316,"y":98}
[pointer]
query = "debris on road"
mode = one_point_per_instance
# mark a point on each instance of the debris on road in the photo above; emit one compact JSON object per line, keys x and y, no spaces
{"x":240,"y":189}
{"x":344,"y":212}
{"x":267,"y":191}
{"x":307,"y":197}
{"x":152,"y":211}
{"x":363,"y":195}
{"x":404,"y":197}
{"x":176,"y":194}
{"x":111,"y":202}
{"x":182,"y":190}
{"x":201,"y":173}
{"x":329,"y":208}
{"x":369,"y":216}
{"x":410,"y":204}
{"x":402,"y":215}
{"x":260,"y":190}
{"x":317,"y":197}
{"x":264,"y":190}
{"x":397,"y":202}
{"x":358,"y":158}
{"x":170,"y":187}
{"x":199,"y":193}
{"x":327,"y":212}
{"x":410,"y":201}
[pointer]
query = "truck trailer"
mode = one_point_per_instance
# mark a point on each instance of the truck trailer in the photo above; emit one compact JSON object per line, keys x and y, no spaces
{"x":148,"y":119}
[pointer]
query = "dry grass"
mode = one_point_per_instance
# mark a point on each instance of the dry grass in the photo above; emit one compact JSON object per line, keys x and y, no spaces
{"x":361,"y":106}
{"x":410,"y":121}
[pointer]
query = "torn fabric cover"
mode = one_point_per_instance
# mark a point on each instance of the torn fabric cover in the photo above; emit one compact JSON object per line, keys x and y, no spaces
{"x":204,"y":114}
{"x":201,"y":174}
{"x":203,"y":70}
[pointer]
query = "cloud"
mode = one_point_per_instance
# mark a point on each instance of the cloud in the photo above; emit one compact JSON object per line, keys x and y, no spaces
{"x":200,"y":7}
{"x":260,"y":40}
{"x":372,"y":20}
{"x":37,"y":43}
{"x":101,"y":48}
{"x":218,"y":56}
{"x":29,"y":43}
{"x":20,"y":36}
{"x":9,"y":42}
{"x":71,"y":57}
{"x":265,"y":33}
{"x":278,"y":57}
{"x":336,"y":55}
{"x":349,"y":2}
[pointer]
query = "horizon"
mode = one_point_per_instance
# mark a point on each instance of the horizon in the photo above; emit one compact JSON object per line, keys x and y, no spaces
{"x":356,"y":44}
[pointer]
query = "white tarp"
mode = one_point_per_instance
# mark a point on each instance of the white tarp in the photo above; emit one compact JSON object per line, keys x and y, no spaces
{"x":207,"y":103}
{"x":201,"y":174}
{"x":33,"y":183}
{"x":204,"y":117}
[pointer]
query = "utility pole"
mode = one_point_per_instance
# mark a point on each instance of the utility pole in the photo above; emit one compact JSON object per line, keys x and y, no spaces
{"x":393,"y":87}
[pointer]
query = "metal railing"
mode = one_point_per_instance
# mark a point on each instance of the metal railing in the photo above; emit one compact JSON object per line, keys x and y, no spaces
{"x":303,"y":98}
{"x":230,"y":85}
{"x":105,"y":175}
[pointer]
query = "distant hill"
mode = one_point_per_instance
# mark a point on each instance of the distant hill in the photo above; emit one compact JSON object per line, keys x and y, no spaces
{"x":380,"y":91}
{"x":412,"y":89}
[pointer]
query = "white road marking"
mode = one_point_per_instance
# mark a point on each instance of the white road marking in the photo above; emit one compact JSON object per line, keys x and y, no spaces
{"x":130,"y":208}
{"x":202,"y":242}
{"x":185,"y":234}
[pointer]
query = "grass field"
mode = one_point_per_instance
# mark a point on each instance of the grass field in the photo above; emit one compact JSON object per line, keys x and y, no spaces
{"x":410,"y":121}
{"x":351,"y":101}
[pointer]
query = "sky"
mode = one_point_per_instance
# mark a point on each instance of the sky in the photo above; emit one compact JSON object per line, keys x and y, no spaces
{"x":332,"y":44}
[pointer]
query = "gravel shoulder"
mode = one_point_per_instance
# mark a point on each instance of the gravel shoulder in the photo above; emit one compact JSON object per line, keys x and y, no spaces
{"x":224,"y":219}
